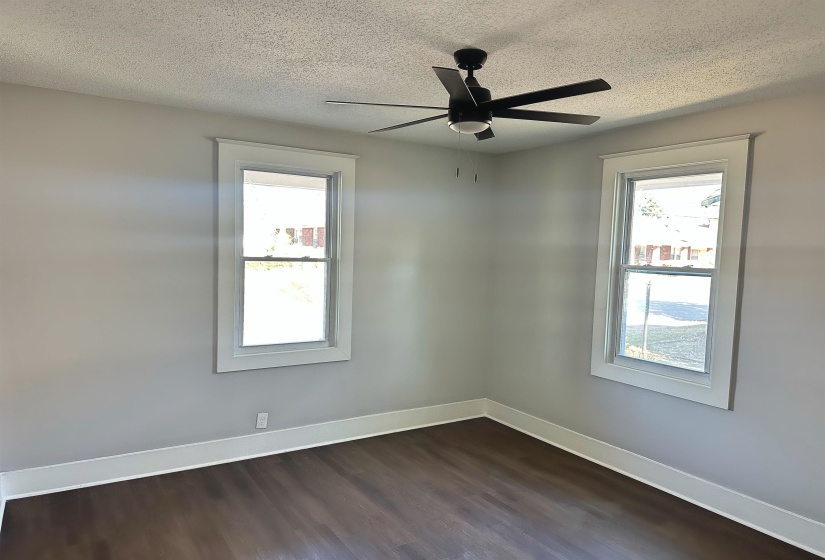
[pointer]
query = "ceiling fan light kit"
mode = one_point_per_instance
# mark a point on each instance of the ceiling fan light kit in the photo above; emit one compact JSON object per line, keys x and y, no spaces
{"x":471,"y":108}
{"x":469,"y":126}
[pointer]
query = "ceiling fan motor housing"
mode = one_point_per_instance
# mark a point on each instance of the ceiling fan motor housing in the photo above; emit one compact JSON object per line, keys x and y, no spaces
{"x":466,"y":117}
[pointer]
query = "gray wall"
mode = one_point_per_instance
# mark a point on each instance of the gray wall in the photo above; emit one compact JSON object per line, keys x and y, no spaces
{"x":107,"y":248}
{"x":107,"y":284}
{"x":547,"y":207}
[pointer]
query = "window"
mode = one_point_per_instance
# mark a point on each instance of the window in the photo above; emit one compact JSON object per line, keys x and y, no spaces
{"x":285,"y":285}
{"x":284,"y":256}
{"x":668,"y":269}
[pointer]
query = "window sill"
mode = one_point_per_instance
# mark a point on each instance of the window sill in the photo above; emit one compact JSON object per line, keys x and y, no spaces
{"x":701,"y":390}
{"x":240,"y":362}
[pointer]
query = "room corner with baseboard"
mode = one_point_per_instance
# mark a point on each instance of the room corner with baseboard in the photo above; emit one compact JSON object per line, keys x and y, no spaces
{"x":407,"y":293}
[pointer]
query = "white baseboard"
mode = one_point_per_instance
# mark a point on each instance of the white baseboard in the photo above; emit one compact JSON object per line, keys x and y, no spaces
{"x":784,"y":525}
{"x":799,"y":531}
{"x":91,"y":472}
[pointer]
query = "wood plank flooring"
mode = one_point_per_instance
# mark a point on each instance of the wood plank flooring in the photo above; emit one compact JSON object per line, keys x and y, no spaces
{"x":467,"y":490}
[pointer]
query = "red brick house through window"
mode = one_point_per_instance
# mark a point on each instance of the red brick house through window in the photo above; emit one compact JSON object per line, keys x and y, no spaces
{"x":306,"y":236}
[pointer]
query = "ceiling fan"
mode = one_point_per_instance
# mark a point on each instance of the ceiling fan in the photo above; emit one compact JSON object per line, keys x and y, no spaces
{"x":471,"y":108}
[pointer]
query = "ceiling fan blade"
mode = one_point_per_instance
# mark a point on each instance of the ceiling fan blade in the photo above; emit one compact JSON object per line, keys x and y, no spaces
{"x":546,"y":116}
{"x":385,"y":105}
{"x":485,"y":134}
{"x":419,"y":121}
{"x":454,"y":84}
{"x":571,"y":90}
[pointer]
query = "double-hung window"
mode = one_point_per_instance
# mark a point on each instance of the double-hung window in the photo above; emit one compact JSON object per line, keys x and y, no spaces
{"x":284,"y":256}
{"x":668,"y":270}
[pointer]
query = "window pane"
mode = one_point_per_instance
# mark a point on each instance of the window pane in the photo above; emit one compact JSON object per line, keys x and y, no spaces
{"x":675,"y":221}
{"x":284,"y":302}
{"x":665,"y":319}
{"x":284,"y":215}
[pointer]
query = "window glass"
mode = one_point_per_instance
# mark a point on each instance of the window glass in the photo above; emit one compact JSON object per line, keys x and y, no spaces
{"x":284,"y":302}
{"x":284,"y":219}
{"x":674,"y":219}
{"x":665,"y":319}
{"x":284,"y":215}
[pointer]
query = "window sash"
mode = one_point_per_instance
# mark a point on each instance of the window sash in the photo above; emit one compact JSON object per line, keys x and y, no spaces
{"x":286,"y":259}
{"x":672,"y":270}
{"x":331,"y":251}
{"x":628,"y":193}
{"x":623,"y":252}
{"x":615,"y":357}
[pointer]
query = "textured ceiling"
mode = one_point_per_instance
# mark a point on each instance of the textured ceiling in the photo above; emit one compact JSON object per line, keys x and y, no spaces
{"x":281,"y":58}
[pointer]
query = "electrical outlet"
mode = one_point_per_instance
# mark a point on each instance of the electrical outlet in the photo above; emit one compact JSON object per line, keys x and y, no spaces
{"x":263,"y":418}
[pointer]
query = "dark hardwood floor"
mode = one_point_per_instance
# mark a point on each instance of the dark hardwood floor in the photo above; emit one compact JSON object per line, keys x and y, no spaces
{"x":473,"y":489}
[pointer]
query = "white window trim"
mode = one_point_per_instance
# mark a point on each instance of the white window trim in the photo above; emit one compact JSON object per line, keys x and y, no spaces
{"x":726,"y":154}
{"x":233,"y":157}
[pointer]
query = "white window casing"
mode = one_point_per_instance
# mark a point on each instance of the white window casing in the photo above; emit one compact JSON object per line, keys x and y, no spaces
{"x":728,"y":156}
{"x":234,"y":158}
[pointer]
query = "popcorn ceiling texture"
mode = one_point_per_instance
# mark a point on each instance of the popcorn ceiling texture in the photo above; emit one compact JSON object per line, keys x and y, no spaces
{"x":280,"y":59}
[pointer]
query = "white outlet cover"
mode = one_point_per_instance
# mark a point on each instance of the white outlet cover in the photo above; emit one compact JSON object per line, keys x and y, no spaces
{"x":263,"y":418}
